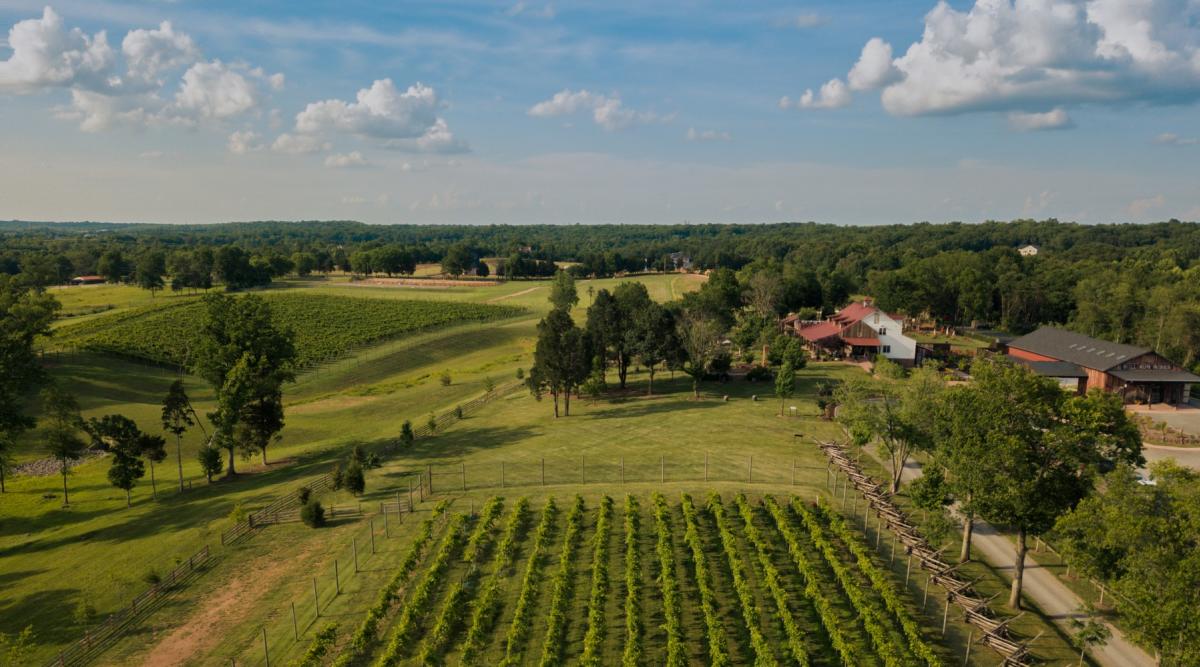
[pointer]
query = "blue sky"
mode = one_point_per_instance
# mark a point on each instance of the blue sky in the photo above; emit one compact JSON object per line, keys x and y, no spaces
{"x":477,"y":112}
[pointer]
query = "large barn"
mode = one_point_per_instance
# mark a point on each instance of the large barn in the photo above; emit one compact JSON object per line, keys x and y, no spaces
{"x":1137,"y":373}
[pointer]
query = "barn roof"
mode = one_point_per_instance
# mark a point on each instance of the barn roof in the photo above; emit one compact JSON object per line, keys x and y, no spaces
{"x":1076,"y":348}
{"x":1155,"y":375}
{"x":820,"y":331}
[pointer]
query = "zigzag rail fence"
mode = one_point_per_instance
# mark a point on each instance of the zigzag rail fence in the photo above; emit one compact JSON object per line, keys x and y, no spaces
{"x":284,"y":509}
{"x":996,"y":633}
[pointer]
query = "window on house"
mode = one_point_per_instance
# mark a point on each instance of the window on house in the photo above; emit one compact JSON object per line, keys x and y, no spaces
{"x":882,"y":331}
{"x":887,"y":348}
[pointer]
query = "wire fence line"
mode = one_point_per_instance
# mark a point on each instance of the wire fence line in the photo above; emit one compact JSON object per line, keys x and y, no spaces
{"x":99,"y":638}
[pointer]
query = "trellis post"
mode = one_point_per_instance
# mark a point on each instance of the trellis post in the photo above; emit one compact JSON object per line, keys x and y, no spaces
{"x":706,"y":467}
{"x":543,"y":471}
{"x":750,"y":470}
{"x":295,"y":626}
{"x":502,"y":474}
{"x":337,"y":581}
{"x":372,"y":536}
{"x":464,"y":476}
{"x":793,"y":471}
{"x":622,"y":469}
{"x":266,"y":653}
{"x":662,"y":470}
{"x":316,"y":599}
{"x":583,"y":467}
{"x":429,"y":471}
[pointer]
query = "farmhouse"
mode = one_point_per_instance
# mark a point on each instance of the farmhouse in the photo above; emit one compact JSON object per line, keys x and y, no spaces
{"x":1137,"y":373}
{"x":858,"y":331}
{"x":1028,"y":250}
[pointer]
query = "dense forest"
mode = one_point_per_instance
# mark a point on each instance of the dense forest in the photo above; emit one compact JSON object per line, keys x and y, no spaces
{"x":1128,"y":283}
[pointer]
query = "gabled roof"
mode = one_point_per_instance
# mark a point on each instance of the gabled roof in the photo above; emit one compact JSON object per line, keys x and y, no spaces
{"x":1076,"y":348}
{"x":853,"y":313}
{"x":1054,"y":369}
{"x":1155,"y":375}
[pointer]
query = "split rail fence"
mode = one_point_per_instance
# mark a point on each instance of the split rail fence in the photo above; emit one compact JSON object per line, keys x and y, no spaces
{"x":996,"y":632}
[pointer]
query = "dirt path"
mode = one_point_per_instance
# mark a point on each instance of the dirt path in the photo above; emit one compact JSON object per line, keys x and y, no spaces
{"x":222,"y":609}
{"x":1052,"y":596}
{"x":509,"y":296}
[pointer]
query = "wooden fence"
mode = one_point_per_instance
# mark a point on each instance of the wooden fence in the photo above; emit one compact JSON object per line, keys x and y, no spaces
{"x":99,"y":638}
{"x":996,"y":633}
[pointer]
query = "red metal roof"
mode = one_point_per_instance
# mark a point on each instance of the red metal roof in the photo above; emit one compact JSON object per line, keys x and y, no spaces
{"x":820,"y":331}
{"x":862,"y":342}
{"x":854,"y":312}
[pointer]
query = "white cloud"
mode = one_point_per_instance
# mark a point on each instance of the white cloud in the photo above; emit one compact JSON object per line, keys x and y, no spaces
{"x":437,"y":139}
{"x":1172,"y":139}
{"x":801,"y":21}
{"x":345,"y":160}
{"x":834,"y":94}
{"x":607,"y":110}
{"x":297,"y":144}
{"x":706,"y":135}
{"x":381,"y":112}
{"x":874,"y":68}
{"x":148,"y":53}
{"x":1030,"y":55}
{"x":216,"y":90}
{"x":244,"y":141}
{"x":1138,"y":208}
{"x":46,"y":55}
{"x":1055,"y":119}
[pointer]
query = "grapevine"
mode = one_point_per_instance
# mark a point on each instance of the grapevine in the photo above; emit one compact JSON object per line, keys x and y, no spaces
{"x":632,"y":656}
{"x":718,"y":654}
{"x":670,"y":587}
{"x":518,"y":630}
{"x":486,"y":607}
{"x":556,"y":624}
{"x":595,"y":620}
{"x":763,"y":655}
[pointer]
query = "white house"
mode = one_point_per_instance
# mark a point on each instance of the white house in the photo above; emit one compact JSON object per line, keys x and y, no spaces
{"x":858,"y":331}
{"x":893,"y":344}
{"x":1028,"y":250}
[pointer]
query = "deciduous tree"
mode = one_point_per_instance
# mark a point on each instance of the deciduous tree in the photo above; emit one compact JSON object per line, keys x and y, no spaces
{"x":60,"y":431}
{"x":177,"y":416}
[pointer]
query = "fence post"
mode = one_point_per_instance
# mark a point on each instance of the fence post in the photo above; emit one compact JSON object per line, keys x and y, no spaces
{"x":386,"y":532}
{"x":583,"y":467}
{"x":410,"y":503}
{"x":354,"y":544}
{"x":543,"y":471}
{"x":706,"y":467}
{"x":750,"y":470}
{"x":266,"y":653}
{"x":337,"y":581}
{"x":662,"y":469}
{"x":429,"y":470}
{"x":502,"y":474}
{"x":373,"y":535}
{"x":316,"y":598}
{"x":295,"y":626}
{"x":622,"y":469}
{"x":464,"y":476}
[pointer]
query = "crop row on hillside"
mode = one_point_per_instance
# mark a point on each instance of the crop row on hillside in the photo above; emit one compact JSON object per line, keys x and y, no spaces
{"x":774,"y":583}
{"x":325,"y":326}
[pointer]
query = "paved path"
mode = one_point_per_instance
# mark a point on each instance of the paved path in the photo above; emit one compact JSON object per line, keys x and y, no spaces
{"x":1055,"y":600}
{"x":1185,"y":456}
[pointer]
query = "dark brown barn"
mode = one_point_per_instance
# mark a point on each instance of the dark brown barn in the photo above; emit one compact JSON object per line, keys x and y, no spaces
{"x":1137,"y":373}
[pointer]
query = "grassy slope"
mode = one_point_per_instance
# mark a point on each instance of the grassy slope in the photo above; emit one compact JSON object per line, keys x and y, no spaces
{"x":97,"y":551}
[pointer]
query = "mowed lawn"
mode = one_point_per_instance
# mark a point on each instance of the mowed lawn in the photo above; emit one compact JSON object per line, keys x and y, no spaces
{"x":97,"y":553}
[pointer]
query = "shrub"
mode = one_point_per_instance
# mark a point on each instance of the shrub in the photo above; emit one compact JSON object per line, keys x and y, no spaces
{"x":238,"y":513}
{"x":458,"y":412}
{"x":339,"y":477}
{"x":445,"y":378}
{"x":432,"y":423}
{"x":406,"y":434}
{"x":303,"y":495}
{"x":760,"y":374}
{"x":489,"y":384}
{"x":520,"y":373}
{"x":151,"y":577}
{"x":354,"y":478}
{"x":312,"y":514}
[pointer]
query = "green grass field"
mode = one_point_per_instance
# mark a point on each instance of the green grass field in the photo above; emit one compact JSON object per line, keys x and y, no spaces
{"x":56,"y":562}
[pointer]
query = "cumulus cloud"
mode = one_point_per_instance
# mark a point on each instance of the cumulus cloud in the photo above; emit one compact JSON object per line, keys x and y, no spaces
{"x":1026,"y":56}
{"x":148,"y":53}
{"x":607,"y":110}
{"x":381,"y":112}
{"x":298,"y":144}
{"x":46,"y":55}
{"x":215,"y":90}
{"x":706,"y":135}
{"x":834,"y":94}
{"x":874,"y":68}
{"x":1172,"y":139}
{"x":437,"y":139}
{"x":1138,"y":208}
{"x":244,"y":141}
{"x":345,"y":160}
{"x":1055,"y":119}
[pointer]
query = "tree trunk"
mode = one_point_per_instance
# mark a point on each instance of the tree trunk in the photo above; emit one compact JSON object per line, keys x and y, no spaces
{"x":179,"y":458}
{"x":696,"y":386}
{"x":230,"y":472}
{"x":66,"y":497}
{"x":649,"y":390}
{"x":555,"y":395}
{"x":153,"y":484}
{"x":567,"y":404}
{"x":968,"y":531}
{"x":622,"y":368}
{"x":264,"y":455}
{"x":1014,"y":597}
{"x":2,"y":490}
{"x":128,"y":500}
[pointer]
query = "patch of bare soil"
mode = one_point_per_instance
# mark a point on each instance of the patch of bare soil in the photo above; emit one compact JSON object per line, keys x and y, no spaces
{"x":509,"y":296}
{"x":422,"y":282}
{"x":227,"y":607}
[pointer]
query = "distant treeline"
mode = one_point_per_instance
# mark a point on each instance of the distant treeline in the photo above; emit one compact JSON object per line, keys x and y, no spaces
{"x":1131,"y":283}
